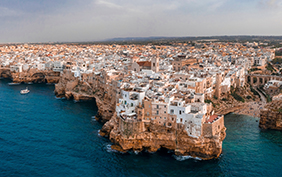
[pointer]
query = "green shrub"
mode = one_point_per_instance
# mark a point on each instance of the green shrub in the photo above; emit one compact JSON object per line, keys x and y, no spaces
{"x":254,"y":69}
{"x":269,"y":67}
{"x":224,"y":99}
{"x":277,"y":61}
{"x":208,"y":101}
{"x":238,"y":97}
{"x":254,"y":92}
{"x":249,"y":97}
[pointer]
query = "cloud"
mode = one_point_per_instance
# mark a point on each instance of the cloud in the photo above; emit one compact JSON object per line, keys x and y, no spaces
{"x":270,"y":3}
{"x":6,"y":12}
{"x":89,"y":20}
{"x":108,"y":4}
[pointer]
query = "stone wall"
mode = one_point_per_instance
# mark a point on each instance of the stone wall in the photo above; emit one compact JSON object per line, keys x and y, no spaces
{"x":213,"y":129}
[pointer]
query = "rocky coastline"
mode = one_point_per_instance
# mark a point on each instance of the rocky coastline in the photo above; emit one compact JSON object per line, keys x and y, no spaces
{"x":176,"y":140}
{"x":271,"y":116}
{"x":72,"y":88}
{"x":31,"y":76}
{"x":151,"y":140}
{"x":154,"y":138}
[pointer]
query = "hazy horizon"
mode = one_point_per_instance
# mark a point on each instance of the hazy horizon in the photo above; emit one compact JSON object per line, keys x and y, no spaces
{"x":96,"y":20}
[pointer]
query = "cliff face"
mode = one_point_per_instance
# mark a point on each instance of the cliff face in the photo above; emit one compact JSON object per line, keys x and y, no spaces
{"x":31,"y":75}
{"x":157,"y":137}
{"x":271,"y":116}
{"x":72,"y":88}
{"x":152,"y":139}
{"x":5,"y":73}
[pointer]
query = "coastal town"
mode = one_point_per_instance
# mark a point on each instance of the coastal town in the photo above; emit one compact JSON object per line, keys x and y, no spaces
{"x":155,"y":96}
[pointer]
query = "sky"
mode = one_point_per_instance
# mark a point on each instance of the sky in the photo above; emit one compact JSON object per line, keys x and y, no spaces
{"x":94,"y":20}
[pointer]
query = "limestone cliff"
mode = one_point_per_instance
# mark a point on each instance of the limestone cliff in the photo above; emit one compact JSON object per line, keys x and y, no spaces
{"x":156,"y":137}
{"x":271,"y":116}
{"x":73,"y":88}
{"x":152,"y":139}
{"x":32,"y":75}
{"x":5,"y":73}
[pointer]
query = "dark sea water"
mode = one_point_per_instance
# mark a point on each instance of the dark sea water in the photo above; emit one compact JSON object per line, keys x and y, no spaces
{"x":44,"y":136}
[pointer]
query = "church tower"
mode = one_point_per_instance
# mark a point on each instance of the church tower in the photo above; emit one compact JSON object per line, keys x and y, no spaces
{"x":155,"y":64}
{"x":218,"y":85}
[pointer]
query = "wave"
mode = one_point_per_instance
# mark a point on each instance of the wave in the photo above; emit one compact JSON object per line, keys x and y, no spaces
{"x":93,"y":118}
{"x":109,"y":149}
{"x":99,"y":133}
{"x":58,"y":98}
{"x":182,"y":158}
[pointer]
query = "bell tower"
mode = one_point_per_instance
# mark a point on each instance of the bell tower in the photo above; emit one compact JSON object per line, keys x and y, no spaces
{"x":155,"y":64}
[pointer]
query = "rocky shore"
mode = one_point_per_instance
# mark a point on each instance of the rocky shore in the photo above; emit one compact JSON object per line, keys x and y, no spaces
{"x":271,"y":116}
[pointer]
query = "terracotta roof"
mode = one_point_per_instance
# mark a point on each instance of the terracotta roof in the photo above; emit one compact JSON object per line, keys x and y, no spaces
{"x":212,"y":118}
{"x":144,"y":63}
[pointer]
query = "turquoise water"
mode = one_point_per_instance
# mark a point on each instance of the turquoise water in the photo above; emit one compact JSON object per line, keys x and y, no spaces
{"x":44,"y":136}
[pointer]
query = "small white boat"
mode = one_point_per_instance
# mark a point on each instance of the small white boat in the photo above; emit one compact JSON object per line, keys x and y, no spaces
{"x":25,"y":91}
{"x":14,"y":83}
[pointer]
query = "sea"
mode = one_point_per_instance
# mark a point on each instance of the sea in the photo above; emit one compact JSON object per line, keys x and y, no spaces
{"x":41,"y":135}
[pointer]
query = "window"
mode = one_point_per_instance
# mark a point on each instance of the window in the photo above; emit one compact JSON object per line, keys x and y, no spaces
{"x":157,"y":106}
{"x":131,"y":104}
{"x":171,"y":111}
{"x":157,"y":112}
{"x":160,"y":117}
{"x":165,"y":112}
{"x":147,"y":113}
{"x":165,"y":105}
{"x":180,"y":112}
{"x":164,"y":117}
{"x":153,"y":64}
